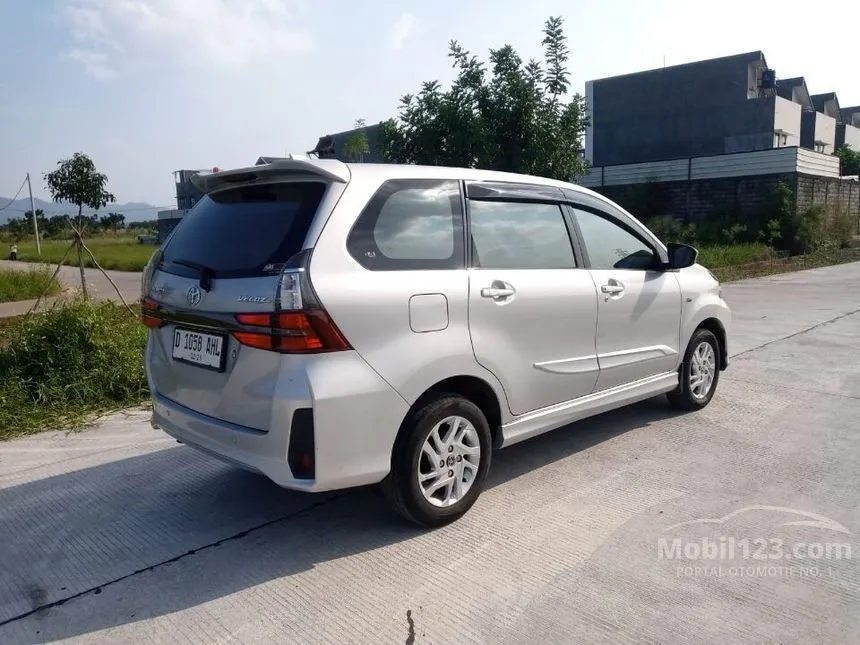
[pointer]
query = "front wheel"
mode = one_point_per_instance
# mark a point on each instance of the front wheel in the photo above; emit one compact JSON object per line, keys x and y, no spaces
{"x":440,"y":461}
{"x":700,"y":373}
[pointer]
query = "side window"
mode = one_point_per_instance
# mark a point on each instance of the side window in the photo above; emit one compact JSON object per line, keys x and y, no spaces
{"x":410,"y":224}
{"x":514,"y":235}
{"x":610,"y":246}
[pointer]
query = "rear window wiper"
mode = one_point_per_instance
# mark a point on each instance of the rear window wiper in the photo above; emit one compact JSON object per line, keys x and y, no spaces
{"x":206,"y":273}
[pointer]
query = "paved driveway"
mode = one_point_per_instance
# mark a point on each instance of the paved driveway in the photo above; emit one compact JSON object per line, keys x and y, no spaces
{"x":119,"y":535}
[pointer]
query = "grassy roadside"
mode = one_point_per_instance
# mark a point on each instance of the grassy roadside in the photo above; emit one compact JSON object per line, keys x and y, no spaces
{"x":775,"y":265}
{"x":26,"y":285}
{"x":116,"y":252}
{"x":63,"y":367}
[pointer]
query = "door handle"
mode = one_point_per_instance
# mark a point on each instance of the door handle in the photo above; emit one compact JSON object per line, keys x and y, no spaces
{"x":612,"y":289}
{"x":497,"y":292}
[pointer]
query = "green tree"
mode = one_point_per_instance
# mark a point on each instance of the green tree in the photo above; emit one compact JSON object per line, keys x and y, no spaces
{"x":356,"y":148}
{"x":112,"y":221}
{"x":511,"y":118}
{"x":76,"y":181}
{"x":849,"y":160}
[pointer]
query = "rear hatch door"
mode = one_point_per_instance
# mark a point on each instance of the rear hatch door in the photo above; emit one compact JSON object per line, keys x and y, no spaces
{"x":226,"y":257}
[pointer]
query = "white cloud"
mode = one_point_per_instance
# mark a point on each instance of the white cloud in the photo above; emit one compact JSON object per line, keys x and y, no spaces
{"x":401,"y":30}
{"x":96,"y":63}
{"x":225,"y":34}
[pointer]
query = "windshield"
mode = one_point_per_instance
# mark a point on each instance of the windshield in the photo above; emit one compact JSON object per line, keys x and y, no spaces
{"x":241,"y":231}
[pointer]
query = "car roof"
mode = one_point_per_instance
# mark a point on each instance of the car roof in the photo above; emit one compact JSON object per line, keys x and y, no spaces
{"x":335,"y":170}
{"x":405,"y":171}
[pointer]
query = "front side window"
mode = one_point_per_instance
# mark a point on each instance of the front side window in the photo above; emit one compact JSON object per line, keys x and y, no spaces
{"x":410,"y":225}
{"x":611,"y":246}
{"x":517,"y":235}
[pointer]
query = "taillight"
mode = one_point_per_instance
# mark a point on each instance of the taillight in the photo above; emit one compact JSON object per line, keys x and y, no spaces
{"x":301,"y":324}
{"x":295,"y":332}
{"x":149,"y":314}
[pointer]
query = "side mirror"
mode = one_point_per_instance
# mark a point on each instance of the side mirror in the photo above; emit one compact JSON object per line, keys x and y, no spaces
{"x":682,"y":256}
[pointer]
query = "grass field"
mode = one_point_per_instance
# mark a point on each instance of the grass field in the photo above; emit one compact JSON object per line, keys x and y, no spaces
{"x":26,"y":285}
{"x":120,"y":252}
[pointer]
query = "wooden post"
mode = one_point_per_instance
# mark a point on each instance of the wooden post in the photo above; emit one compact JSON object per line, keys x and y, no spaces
{"x":80,"y":244}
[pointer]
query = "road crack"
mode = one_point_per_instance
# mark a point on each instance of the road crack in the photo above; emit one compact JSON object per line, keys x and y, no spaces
{"x":231,"y":538}
{"x":795,"y":334}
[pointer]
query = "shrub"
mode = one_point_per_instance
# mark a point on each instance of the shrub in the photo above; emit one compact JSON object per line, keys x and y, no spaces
{"x":60,"y":367}
{"x":672,"y":229}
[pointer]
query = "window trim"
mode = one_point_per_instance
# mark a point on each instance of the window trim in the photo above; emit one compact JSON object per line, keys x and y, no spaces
{"x":622,"y":225}
{"x":512,"y":191}
{"x":384,"y":263}
{"x":578,"y":258}
{"x":608,"y":209}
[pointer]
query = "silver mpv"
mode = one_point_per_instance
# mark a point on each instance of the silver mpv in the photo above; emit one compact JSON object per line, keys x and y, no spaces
{"x":333,"y":325}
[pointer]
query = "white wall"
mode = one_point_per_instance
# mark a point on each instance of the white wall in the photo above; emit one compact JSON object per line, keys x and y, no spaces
{"x":825,"y":130}
{"x":743,"y":164}
{"x":852,"y":137}
{"x":787,"y":117}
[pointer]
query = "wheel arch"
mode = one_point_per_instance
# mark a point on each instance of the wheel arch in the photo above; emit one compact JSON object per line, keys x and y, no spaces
{"x":716,"y":327}
{"x":474,"y":389}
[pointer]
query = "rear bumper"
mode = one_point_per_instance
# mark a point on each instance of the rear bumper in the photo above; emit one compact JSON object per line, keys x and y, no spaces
{"x":356,"y":416}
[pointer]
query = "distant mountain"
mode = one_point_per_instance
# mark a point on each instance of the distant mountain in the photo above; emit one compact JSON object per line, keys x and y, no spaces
{"x":133,"y":211}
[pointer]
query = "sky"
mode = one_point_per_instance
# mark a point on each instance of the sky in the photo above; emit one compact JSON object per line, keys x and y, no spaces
{"x":146,"y":87}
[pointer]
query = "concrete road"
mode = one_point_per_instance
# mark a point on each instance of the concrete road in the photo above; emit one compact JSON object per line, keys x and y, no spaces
{"x":639,"y":525}
{"x":98,"y":286}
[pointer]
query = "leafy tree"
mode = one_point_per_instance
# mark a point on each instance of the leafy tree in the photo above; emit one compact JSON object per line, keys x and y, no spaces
{"x":77,"y":182}
{"x":849,"y":160}
{"x":112,"y":221}
{"x":356,"y":148}
{"x":512,"y":117}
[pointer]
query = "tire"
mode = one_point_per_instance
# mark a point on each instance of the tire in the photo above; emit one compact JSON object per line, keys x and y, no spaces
{"x":686,"y":396}
{"x":410,"y":460}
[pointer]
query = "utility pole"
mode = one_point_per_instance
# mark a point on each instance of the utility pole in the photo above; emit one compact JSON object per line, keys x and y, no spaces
{"x":33,"y":211}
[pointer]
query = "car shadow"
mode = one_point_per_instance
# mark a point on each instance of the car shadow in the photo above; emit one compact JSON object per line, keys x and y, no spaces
{"x":67,"y":538}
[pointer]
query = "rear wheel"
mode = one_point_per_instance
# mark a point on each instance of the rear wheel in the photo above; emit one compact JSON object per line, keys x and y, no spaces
{"x":700,"y":373}
{"x":440,"y":461}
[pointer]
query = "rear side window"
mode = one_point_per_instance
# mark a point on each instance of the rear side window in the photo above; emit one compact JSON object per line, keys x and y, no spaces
{"x":244,"y":231}
{"x":519,"y":235}
{"x":410,"y":224}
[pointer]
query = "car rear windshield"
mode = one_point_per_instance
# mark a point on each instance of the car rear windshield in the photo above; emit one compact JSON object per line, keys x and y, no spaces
{"x":243,"y":231}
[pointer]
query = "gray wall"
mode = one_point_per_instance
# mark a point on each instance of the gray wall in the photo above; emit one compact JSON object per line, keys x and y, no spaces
{"x":680,"y":111}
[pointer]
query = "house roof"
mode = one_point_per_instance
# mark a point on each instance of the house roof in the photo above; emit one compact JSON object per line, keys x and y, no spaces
{"x":745,"y":57}
{"x":850,"y":113}
{"x":785,"y":89}
{"x":818,"y":100}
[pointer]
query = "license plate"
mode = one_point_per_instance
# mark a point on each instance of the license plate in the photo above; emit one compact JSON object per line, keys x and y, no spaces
{"x":206,"y":350}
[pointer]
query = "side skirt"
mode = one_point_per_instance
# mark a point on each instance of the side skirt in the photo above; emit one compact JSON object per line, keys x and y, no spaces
{"x":546,"y":419}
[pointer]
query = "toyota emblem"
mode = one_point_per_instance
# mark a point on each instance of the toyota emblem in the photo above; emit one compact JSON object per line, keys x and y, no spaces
{"x":193,"y":296}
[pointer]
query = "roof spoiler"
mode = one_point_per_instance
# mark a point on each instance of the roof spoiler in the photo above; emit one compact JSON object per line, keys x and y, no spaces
{"x":328,"y":169}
